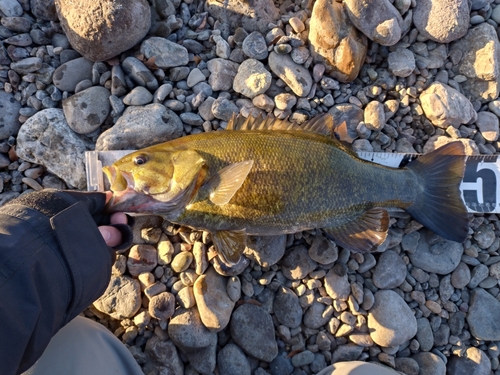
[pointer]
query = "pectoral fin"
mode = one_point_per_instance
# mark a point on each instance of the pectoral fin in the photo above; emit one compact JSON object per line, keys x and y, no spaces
{"x":227,"y":181}
{"x":363,"y":234}
{"x":230,"y":245}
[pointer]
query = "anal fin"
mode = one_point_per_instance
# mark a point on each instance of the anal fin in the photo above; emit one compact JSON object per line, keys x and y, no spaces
{"x":230,"y":245}
{"x":363,"y":234}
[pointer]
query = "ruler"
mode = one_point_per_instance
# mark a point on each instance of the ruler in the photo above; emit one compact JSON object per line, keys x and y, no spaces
{"x":480,"y":186}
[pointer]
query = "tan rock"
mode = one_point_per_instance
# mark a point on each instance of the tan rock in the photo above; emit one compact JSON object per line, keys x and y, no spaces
{"x":444,"y":106}
{"x":378,"y":20}
{"x":442,"y":21}
{"x":480,"y":62}
{"x":214,"y":304}
{"x":251,"y":15}
{"x":440,"y":140}
{"x":100,"y":30}
{"x":335,"y":42}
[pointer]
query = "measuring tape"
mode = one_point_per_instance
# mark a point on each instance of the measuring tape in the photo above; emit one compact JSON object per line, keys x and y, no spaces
{"x":479,"y":187}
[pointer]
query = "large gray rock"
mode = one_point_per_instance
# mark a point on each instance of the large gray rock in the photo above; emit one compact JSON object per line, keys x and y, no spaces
{"x":86,"y":110}
{"x":265,"y":250}
{"x":445,"y":106}
{"x":390,"y":321}
{"x":69,"y":74}
{"x":231,"y":360}
{"x":294,"y":75}
{"x":100,"y":30}
{"x":252,"y":78}
{"x":442,"y":257}
{"x":9,"y":107}
{"x":430,"y":363}
{"x":222,"y":73}
{"x":140,"y":127}
{"x":122,"y":298}
{"x":46,"y":139}
{"x":253,"y":330}
{"x":166,"y":54}
{"x":164,"y":354}
{"x":484,"y":315}
{"x":442,"y":21}
{"x":474,"y":362}
{"x":480,"y":62}
{"x":378,"y":20}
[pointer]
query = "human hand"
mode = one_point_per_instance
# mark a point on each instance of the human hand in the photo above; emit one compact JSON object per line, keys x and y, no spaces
{"x":112,"y":236}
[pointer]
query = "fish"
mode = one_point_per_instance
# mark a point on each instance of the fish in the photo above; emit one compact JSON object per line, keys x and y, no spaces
{"x":265,"y":176}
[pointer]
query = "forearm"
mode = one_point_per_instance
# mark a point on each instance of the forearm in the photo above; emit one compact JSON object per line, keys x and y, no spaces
{"x":50,"y":270}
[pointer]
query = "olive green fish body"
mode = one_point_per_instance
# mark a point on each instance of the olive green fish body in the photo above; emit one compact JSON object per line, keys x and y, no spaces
{"x":298,"y":181}
{"x":266,"y":182}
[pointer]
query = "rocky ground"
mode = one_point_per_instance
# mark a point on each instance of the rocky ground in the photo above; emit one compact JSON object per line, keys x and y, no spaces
{"x":405,"y":75}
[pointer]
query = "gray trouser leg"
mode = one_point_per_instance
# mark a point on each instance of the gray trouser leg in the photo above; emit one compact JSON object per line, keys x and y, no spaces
{"x":84,"y":347}
{"x":356,"y":368}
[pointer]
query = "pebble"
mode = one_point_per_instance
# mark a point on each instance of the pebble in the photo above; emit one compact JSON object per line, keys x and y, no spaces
{"x":317,"y":315}
{"x":390,"y":271}
{"x":124,"y":307}
{"x":254,"y":46}
{"x":232,"y":360}
{"x":166,"y":54}
{"x":9,"y":123}
{"x":87,"y":110}
{"x":297,"y":264}
{"x":252,"y":330}
{"x":401,"y":62}
{"x":162,"y":306}
{"x":265,"y":250}
{"x":445,"y":106}
{"x":303,"y":358}
{"x":482,"y":315}
{"x":69,"y":74}
{"x":295,"y":76}
{"x":442,"y":257}
{"x":142,"y":258}
{"x":430,"y":363}
{"x":475,"y":361}
{"x":51,"y":124}
{"x":287,"y":308}
{"x":337,"y":284}
{"x":140,"y":127}
{"x":390,"y":320}
{"x":214,"y":304}
{"x":252,"y":78}
{"x":95,"y":39}
{"x":323,"y":251}
{"x":138,"y":96}
{"x":182,"y":261}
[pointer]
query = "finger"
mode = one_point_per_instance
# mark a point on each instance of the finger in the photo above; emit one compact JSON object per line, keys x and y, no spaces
{"x":118,"y":218}
{"x":109,"y":195}
{"x":112,"y":236}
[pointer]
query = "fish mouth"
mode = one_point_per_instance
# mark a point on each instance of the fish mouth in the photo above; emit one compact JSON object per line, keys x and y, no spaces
{"x":124,"y":198}
{"x":118,"y":180}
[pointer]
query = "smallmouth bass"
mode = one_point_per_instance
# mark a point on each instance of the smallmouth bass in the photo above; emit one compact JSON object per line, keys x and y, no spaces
{"x":270,"y":177}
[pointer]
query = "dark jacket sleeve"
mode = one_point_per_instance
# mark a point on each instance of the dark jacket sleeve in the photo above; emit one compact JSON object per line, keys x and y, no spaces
{"x":53,"y":264}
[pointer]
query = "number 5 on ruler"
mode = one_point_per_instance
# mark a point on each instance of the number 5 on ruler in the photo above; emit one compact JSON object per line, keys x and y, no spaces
{"x":479,"y":185}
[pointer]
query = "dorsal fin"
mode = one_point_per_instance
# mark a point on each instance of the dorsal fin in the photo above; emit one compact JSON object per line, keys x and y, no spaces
{"x":322,"y":124}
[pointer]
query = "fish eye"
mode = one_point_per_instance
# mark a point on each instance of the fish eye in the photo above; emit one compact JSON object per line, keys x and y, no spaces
{"x":140,"y":160}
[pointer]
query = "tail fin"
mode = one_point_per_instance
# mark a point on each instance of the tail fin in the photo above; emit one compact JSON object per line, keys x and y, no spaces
{"x":440,"y":206}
